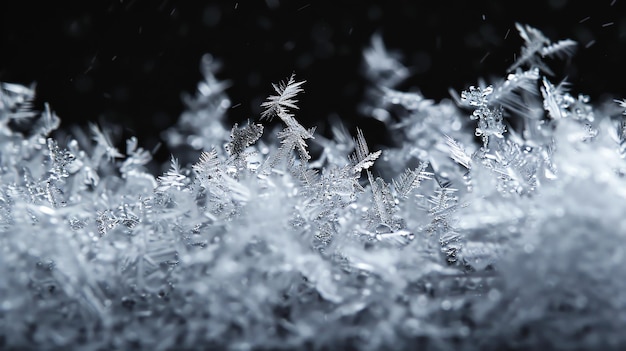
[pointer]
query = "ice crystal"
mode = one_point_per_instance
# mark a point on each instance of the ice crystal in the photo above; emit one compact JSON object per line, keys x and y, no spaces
{"x":538,"y":46}
{"x":362,"y":158}
{"x":279,"y":105}
{"x":200,"y":126}
{"x":60,"y":160}
{"x":172,"y":178}
{"x":411,"y":179}
{"x":382,"y":67}
{"x":458,"y":153}
{"x":443,"y":242}
{"x":103,"y":145}
{"x":241,"y":138}
{"x":489,"y":119}
{"x":16,"y":102}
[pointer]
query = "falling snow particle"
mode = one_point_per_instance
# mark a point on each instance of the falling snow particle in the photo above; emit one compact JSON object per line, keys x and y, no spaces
{"x":484,"y":57}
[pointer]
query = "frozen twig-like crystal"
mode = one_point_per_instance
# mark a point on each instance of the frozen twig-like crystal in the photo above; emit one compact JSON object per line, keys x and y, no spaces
{"x":489,"y":119}
{"x":411,"y":179}
{"x":458,"y":154}
{"x":294,"y":135}
{"x":241,"y":138}
{"x":362,"y":158}
{"x":537,"y":46}
{"x":279,"y":105}
{"x":103,"y":144}
{"x":173,"y":178}
{"x":60,"y":161}
{"x":384,"y":203}
{"x":511,"y":93}
{"x":208,"y":167}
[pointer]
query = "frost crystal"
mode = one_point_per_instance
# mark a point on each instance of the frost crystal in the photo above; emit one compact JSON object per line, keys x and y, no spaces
{"x":383,"y":67}
{"x":489,"y":119}
{"x":279,"y":105}
{"x":411,"y":179}
{"x":294,"y":135}
{"x":444,"y":243}
{"x":241,"y":138}
{"x":172,"y":178}
{"x":538,"y":46}
{"x":362,"y":158}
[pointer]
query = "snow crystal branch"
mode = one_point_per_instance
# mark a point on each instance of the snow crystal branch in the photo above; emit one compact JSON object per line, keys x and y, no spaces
{"x":537,"y":46}
{"x":362,"y":158}
{"x":294,"y":135}
{"x":173,"y":178}
{"x":279,"y":105}
{"x":489,"y":119}
{"x":411,"y":179}
{"x":241,"y":138}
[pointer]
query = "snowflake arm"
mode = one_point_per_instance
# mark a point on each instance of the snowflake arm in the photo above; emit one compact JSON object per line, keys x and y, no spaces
{"x":382,"y":66}
{"x":294,"y":138}
{"x":411,"y":179}
{"x":172,"y":178}
{"x":104,"y":143}
{"x":383,"y":201}
{"x":537,"y":46}
{"x":241,"y":138}
{"x":279,"y":105}
{"x":458,"y":153}
{"x":622,"y":104}
{"x":208,"y":167}
{"x":510,"y":92}
{"x":561,"y":49}
{"x":137,"y":157}
{"x":489,"y":119}
{"x":362,"y":158}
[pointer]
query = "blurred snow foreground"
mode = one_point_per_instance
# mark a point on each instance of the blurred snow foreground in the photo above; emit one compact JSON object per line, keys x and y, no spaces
{"x":513,"y":240}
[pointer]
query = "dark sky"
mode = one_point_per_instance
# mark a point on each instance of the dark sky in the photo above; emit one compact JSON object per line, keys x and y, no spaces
{"x":129,"y":61}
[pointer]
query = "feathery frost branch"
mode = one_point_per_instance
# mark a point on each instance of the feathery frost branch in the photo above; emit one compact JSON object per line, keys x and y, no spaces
{"x":458,"y":154}
{"x":173,"y":178}
{"x":537,"y":46}
{"x":362,"y":158}
{"x":279,"y":105}
{"x":241,"y":138}
{"x":411,"y":179}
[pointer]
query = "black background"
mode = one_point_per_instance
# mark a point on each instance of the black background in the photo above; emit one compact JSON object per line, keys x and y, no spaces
{"x":127,"y":62}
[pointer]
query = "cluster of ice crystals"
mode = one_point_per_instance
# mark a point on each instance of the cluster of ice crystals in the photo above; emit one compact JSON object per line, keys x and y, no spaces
{"x":489,"y":119}
{"x":438,"y":243}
